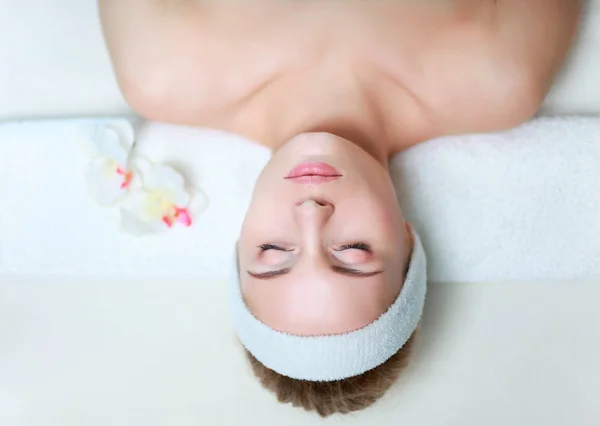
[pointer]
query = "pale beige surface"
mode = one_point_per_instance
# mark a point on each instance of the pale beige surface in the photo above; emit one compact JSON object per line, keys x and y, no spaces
{"x":161,"y":353}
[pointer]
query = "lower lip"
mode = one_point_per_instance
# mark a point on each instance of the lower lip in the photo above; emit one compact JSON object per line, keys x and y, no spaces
{"x":314,"y":173}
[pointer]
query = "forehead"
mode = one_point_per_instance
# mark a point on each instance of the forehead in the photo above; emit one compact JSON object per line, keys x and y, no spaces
{"x":316,"y":304}
{"x":313,"y":300}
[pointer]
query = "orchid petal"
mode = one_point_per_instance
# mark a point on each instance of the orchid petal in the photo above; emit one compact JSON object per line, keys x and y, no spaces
{"x":139,"y":216}
{"x":132,"y":224}
{"x":167,"y":180}
{"x":149,"y":206}
{"x":181,"y":197}
{"x":135,"y":204}
{"x":107,"y":144}
{"x":164,"y":177}
{"x":198,"y":203}
{"x":141,"y":166}
{"x":103,"y":183}
{"x":125,"y":131}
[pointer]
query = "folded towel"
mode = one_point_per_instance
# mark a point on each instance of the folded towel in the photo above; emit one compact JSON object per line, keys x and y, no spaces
{"x":519,"y":205}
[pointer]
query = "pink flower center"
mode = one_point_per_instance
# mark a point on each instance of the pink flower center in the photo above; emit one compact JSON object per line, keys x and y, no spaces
{"x":178,"y":215}
{"x":127,"y":177}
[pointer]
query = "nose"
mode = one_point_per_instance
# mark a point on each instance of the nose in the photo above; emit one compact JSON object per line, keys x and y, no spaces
{"x":311,"y":215}
{"x":314,"y":208}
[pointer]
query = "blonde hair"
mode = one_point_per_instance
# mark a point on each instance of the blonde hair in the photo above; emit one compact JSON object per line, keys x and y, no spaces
{"x":340,"y":396}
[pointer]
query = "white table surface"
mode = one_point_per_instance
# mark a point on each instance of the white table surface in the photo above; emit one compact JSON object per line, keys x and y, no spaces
{"x":122,"y":353}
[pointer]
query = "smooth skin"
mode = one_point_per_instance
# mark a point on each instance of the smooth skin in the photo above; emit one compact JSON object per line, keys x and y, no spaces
{"x":346,"y":82}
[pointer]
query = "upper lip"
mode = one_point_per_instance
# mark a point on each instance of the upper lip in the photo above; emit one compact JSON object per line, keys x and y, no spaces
{"x":313,"y":179}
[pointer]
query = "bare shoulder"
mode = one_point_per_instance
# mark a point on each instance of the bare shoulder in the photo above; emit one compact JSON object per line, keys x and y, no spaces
{"x":193,"y":61}
{"x":490,"y":64}
{"x":144,"y":39}
{"x":168,"y":55}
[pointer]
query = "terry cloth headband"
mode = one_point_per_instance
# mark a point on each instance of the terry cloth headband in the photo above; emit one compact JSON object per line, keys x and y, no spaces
{"x":339,"y":356}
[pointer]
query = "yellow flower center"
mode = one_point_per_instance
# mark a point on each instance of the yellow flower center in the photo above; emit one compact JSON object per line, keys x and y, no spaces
{"x":159,"y":203}
{"x":110,"y":167}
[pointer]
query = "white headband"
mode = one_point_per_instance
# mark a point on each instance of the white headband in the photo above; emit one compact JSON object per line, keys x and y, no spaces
{"x":335,"y":357}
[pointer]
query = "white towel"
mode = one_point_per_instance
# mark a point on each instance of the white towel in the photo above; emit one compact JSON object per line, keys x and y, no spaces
{"x":520,"y":205}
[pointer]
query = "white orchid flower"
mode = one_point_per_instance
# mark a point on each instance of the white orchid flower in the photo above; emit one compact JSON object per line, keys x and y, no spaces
{"x":152,"y":197}
{"x":162,"y":201}
{"x":108,"y":175}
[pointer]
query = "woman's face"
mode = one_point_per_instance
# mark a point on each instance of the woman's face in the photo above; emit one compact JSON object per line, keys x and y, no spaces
{"x":322,"y":255}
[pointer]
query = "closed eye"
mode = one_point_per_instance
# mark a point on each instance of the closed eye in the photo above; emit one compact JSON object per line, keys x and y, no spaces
{"x":267,"y":247}
{"x":355,"y":246}
{"x":349,"y":272}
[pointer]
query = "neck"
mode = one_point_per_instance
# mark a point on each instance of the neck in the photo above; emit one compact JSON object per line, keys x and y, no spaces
{"x":343,"y":108}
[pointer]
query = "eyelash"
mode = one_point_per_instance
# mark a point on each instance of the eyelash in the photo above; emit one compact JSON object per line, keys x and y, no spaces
{"x":266,"y":247}
{"x":355,"y":246}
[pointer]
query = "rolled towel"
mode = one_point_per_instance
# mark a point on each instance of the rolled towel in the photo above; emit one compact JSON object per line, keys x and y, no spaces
{"x":518,"y":205}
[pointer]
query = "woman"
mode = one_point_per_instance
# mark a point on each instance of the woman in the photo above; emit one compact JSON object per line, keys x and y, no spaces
{"x":330,"y":278}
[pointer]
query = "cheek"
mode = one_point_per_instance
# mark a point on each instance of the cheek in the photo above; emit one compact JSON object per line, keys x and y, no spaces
{"x":389,"y":211}
{"x":266,"y":219}
{"x":391,"y":218}
{"x":384,"y":216}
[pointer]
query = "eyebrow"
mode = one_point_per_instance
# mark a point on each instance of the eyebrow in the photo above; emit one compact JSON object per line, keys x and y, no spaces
{"x":342,"y":270}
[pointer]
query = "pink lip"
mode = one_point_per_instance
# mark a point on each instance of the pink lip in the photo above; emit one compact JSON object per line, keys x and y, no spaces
{"x":313,"y":173}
